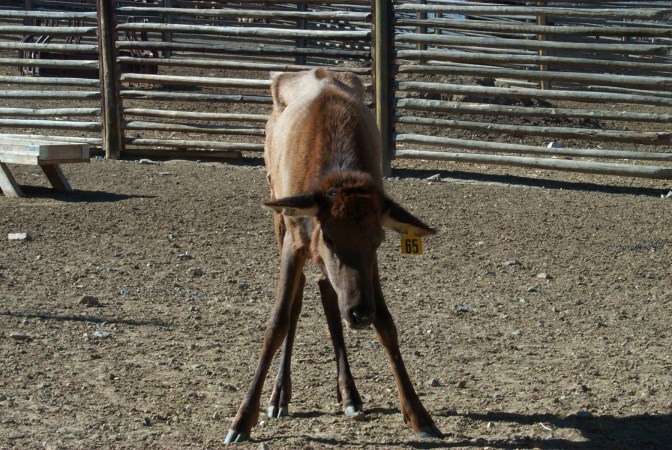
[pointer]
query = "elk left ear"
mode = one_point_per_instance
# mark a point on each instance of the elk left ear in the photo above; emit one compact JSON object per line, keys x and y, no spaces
{"x":397,"y":218}
{"x":298,"y":206}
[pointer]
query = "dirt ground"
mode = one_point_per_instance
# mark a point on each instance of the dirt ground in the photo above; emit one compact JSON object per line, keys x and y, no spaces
{"x":539,"y":316}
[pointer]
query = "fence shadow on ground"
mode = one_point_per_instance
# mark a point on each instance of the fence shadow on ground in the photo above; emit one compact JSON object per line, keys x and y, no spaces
{"x":515,"y":180}
{"x":78,"y":196}
{"x":597,"y":432}
{"x":85,"y":318}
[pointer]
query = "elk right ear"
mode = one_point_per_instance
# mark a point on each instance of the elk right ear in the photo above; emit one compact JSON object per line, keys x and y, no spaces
{"x":397,"y":218}
{"x":297,"y":206}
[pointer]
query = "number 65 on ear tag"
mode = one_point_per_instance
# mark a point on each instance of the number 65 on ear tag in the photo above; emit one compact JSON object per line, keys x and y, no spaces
{"x":411,"y":244}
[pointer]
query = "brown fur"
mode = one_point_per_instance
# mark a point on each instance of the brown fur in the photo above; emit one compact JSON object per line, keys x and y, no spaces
{"x":323,"y":161}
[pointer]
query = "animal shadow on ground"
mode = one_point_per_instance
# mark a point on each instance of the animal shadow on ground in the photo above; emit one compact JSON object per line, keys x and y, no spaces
{"x":530,"y":182}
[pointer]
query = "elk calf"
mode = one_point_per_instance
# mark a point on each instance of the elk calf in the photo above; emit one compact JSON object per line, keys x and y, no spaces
{"x":323,"y":158}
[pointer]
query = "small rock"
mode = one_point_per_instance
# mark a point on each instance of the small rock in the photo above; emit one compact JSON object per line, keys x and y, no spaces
{"x":195,"y":272}
{"x":511,"y":262}
{"x":101,"y":334}
{"x":147,"y":421}
{"x":18,"y":336}
{"x":436,"y":177}
{"x":19,"y":237}
{"x":184,"y":256}
{"x":434,"y":382}
{"x":555,"y":144}
{"x":535,"y":288}
{"x":462,"y":384}
{"x":668,"y":195}
{"x":39,"y":258}
{"x":263,"y":446}
{"x":148,"y":162}
{"x":461,"y":309}
{"x":90,"y":301}
{"x":544,"y":276}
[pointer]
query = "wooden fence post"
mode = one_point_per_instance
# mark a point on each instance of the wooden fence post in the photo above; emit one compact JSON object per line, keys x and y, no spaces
{"x":113,"y":141}
{"x":383,"y":50}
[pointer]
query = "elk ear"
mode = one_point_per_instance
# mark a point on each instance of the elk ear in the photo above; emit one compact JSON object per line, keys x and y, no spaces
{"x":397,"y":218}
{"x":298,"y":206}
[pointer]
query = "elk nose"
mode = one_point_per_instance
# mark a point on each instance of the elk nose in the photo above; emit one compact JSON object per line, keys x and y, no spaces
{"x":360,"y":317}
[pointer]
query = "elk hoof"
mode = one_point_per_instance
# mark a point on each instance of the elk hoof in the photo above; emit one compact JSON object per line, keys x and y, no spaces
{"x":429,"y":433}
{"x":277,"y":412}
{"x":354,"y":412}
{"x":234,"y":437}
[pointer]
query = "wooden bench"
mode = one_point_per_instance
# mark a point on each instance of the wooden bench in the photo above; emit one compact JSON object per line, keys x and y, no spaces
{"x":47,"y":154}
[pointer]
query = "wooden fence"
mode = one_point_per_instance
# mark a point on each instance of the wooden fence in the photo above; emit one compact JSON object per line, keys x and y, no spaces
{"x":472,"y":81}
{"x":563,"y":85}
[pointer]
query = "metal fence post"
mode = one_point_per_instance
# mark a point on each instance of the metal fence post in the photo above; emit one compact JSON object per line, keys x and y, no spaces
{"x":113,"y":142}
{"x":383,"y":93}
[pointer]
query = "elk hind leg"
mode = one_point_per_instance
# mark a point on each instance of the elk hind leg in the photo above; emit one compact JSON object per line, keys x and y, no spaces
{"x":346,"y":391}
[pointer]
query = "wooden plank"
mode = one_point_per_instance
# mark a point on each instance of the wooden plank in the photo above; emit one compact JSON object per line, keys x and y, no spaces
{"x":31,"y":151}
{"x":56,"y":177}
{"x":660,"y":14}
{"x":661,"y":173}
{"x":54,"y":138}
{"x":20,"y":158}
{"x":8,"y":184}
{"x":271,"y":33}
{"x":503,"y":147}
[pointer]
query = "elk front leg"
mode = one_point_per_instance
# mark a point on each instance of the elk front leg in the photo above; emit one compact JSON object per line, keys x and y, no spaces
{"x":410,"y":404}
{"x":291,"y":266}
{"x":278,"y":406}
{"x":346,"y":391}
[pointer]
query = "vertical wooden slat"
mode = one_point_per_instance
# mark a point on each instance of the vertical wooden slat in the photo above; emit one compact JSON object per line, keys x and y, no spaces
{"x":541,"y":20}
{"x":28,"y":6}
{"x":301,"y":43}
{"x":113,"y":141}
{"x":167,"y":36}
{"x":422,"y":29}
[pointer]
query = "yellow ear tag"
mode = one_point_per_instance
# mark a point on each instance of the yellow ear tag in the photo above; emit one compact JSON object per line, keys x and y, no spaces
{"x":411,"y":244}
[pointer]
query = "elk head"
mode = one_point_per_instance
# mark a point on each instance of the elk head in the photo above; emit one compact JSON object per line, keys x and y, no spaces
{"x":350,"y":212}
